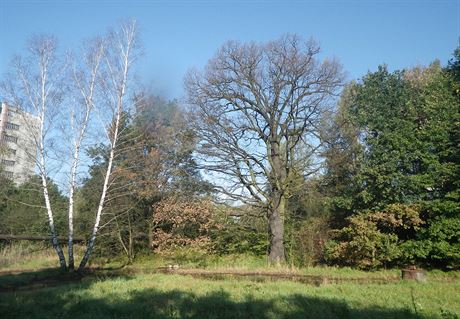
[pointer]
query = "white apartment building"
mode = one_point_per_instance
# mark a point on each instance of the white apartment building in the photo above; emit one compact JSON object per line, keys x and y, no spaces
{"x":18,"y":150}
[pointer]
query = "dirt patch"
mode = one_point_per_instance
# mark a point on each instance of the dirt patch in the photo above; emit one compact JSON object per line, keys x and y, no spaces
{"x":37,"y":280}
{"x":315,"y":280}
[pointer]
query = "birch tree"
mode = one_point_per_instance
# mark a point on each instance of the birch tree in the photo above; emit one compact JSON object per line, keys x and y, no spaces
{"x":122,"y":51}
{"x":258,"y":107}
{"x":36,"y":86}
{"x":85,"y":80}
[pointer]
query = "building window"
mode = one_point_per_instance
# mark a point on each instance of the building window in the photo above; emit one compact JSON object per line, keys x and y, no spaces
{"x":7,"y":162}
{"x":12,"y":126}
{"x":8,"y":174}
{"x":9,"y":138}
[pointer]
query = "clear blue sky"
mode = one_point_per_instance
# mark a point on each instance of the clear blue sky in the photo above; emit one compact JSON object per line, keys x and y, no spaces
{"x":180,"y":34}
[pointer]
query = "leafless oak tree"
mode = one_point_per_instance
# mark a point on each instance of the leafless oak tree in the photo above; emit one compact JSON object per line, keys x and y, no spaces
{"x":258,"y":109}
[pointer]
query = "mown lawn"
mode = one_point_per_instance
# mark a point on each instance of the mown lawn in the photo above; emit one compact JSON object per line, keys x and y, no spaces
{"x":174,"y":296}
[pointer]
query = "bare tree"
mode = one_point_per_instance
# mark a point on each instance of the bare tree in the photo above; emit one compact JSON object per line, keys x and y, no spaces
{"x":36,"y":86}
{"x":121,"y":52}
{"x":258,"y":109}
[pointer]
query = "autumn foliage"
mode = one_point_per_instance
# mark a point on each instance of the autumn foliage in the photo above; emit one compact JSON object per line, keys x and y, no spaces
{"x":178,"y":223}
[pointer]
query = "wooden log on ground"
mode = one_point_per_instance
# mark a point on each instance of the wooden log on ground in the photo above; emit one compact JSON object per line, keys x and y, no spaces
{"x":38,"y":238}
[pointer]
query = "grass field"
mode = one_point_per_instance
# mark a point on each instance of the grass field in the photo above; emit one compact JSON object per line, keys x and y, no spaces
{"x":133,"y":294}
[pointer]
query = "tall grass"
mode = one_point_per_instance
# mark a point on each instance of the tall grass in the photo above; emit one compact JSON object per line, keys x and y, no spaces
{"x":24,"y":255}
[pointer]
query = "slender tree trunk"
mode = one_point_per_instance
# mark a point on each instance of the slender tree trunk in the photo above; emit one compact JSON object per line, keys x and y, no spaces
{"x":120,"y":238}
{"x":90,"y":246}
{"x":42,"y":108}
{"x":73,"y":175}
{"x":73,"y":179}
{"x":54,"y":239}
{"x":118,"y":78}
{"x":150,"y":230}
{"x":276,"y":231}
{"x":130,"y":241}
{"x":88,"y":98}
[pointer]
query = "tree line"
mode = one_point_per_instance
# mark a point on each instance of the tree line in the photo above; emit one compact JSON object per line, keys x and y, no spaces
{"x":271,"y":153}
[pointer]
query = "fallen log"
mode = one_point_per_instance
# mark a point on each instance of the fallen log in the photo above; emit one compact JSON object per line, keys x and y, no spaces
{"x":38,"y":238}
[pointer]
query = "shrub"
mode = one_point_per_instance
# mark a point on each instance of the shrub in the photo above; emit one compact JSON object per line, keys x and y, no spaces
{"x":374,"y":239}
{"x":177,"y":223}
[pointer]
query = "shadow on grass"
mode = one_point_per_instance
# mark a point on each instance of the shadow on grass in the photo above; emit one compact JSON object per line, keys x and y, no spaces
{"x":22,"y":280}
{"x":73,"y":302}
{"x":51,"y":277}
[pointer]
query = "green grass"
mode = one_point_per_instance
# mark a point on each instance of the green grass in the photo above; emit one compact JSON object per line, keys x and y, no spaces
{"x":26,"y":257}
{"x":134,"y":293}
{"x":173,"y":296}
{"x":242,"y":263}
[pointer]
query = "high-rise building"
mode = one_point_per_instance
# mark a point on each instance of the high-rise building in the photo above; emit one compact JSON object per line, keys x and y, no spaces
{"x":18,"y":147}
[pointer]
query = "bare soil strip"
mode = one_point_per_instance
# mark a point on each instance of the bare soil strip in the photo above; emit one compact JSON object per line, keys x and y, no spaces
{"x":36,"y":282}
{"x":272,"y":276}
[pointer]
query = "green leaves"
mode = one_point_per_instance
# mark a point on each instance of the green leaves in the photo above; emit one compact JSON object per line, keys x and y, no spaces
{"x":409,"y":124}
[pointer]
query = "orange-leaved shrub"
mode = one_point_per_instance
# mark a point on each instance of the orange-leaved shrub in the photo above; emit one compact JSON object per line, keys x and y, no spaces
{"x":178,"y":223}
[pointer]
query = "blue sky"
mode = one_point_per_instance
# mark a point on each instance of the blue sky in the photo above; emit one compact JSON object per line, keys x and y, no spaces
{"x":178,"y":35}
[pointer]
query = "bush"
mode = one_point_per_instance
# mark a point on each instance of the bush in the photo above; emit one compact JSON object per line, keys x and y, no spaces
{"x":374,"y":239}
{"x":178,"y":223}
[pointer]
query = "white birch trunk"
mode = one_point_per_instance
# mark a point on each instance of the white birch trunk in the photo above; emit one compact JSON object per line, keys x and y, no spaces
{"x":94,"y":62}
{"x":73,"y":173}
{"x":89,"y":248}
{"x":73,"y":176}
{"x":119,"y":79}
{"x":44,"y":60}
{"x":43,"y":175}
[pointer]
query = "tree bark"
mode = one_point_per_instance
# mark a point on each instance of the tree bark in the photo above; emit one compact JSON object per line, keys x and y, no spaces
{"x":276,"y":213}
{"x":43,"y":175}
{"x":118,"y":78}
{"x":54,"y":238}
{"x":89,"y":248}
{"x":73,"y":175}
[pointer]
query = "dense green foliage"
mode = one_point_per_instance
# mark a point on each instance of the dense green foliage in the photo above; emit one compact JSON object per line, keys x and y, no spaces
{"x":22,"y":210}
{"x":407,"y":123}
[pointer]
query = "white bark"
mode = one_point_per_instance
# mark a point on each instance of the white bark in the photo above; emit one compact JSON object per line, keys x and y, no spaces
{"x":57,"y":247}
{"x":118,"y":72}
{"x":73,"y":175}
{"x":42,"y":93}
{"x":94,"y":59}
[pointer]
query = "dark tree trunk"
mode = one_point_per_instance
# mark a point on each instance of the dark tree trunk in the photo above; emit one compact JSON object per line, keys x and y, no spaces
{"x":276,"y":231}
